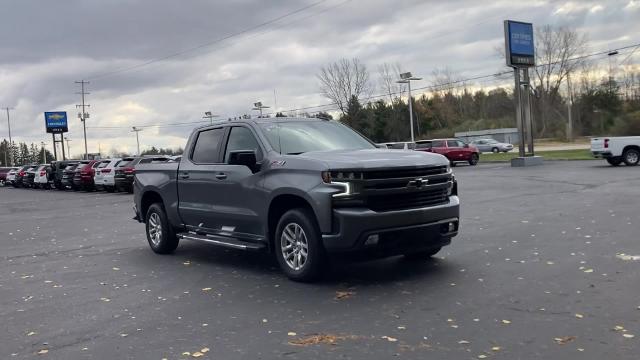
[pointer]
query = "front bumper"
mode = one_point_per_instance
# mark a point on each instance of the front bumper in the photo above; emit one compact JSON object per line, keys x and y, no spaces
{"x":401,"y":231}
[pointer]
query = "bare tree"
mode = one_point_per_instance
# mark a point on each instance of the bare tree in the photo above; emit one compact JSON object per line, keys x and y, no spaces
{"x":445,"y":81}
{"x":389,"y":76}
{"x":342,"y":80}
{"x":556,"y":48}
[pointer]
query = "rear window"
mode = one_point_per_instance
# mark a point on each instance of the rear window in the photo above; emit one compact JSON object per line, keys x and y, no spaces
{"x":207,"y":146}
{"x":423,"y":145}
{"x":125,"y":162}
{"x":103,"y":164}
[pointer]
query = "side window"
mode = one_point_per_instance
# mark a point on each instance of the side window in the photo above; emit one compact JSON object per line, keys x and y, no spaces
{"x":241,"y":138}
{"x":438,"y":143}
{"x":207,"y":144}
{"x":460,"y":143}
{"x":452,"y":143}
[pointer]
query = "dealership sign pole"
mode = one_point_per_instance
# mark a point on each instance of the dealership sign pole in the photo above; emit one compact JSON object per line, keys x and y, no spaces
{"x":56,"y":123}
{"x":520,"y":55}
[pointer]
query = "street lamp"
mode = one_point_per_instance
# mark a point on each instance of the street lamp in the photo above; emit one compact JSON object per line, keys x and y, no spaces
{"x":406,"y":78}
{"x":68,"y":148}
{"x":209,"y":115}
{"x":137,"y":130}
{"x":258,"y":106}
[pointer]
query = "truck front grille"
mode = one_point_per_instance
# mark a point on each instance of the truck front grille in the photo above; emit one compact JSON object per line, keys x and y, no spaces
{"x":400,"y":201}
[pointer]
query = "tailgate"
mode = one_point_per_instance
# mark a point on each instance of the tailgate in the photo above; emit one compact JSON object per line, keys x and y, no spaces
{"x":597,"y":145}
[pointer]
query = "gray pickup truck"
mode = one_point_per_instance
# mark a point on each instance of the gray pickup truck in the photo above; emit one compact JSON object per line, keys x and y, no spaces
{"x":302,"y":189}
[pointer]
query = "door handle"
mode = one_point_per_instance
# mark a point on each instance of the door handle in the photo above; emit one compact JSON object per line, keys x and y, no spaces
{"x":184,"y":175}
{"x":221,"y":176}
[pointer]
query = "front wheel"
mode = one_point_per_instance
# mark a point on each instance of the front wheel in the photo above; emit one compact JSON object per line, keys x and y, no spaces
{"x":495,"y":150}
{"x":160,"y":235}
{"x":298,"y":246}
{"x":474,"y":159}
{"x":614,"y":161}
{"x":631,"y":157}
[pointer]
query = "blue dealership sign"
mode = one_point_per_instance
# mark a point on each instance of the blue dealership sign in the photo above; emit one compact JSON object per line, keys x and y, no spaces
{"x":519,"y":45}
{"x":56,"y":121}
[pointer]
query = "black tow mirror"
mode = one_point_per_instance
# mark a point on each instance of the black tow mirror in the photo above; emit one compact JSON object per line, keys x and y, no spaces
{"x":243,"y":157}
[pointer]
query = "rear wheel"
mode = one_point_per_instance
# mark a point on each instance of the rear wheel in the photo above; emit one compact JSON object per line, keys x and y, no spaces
{"x":631,"y":157}
{"x":298,"y":246}
{"x":614,"y":161}
{"x":473,"y":160}
{"x":160,"y":235}
{"x":495,"y":150}
{"x":421,"y":255}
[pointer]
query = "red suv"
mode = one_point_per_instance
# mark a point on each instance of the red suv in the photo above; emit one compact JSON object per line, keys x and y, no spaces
{"x":455,"y":150}
{"x":83,"y":175}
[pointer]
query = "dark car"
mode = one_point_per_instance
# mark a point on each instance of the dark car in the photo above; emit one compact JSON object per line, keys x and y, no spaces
{"x":302,"y":189}
{"x":67,"y":176}
{"x":57,"y":172}
{"x":125,"y":173}
{"x":21,"y":175}
{"x":83,"y":176}
{"x":29,"y":176}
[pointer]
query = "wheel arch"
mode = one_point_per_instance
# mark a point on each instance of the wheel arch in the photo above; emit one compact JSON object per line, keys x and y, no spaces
{"x":149,"y":198}
{"x":279,"y":205}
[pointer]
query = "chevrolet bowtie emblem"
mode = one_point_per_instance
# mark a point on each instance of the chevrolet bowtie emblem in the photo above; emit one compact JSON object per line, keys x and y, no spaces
{"x":418,"y":183}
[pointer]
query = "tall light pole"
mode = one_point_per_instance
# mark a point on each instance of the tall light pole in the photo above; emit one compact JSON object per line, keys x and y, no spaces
{"x":258,"y":106}
{"x":611,"y":54}
{"x":209,"y":115}
{"x":68,"y":148}
{"x":10,"y":150}
{"x":83,"y":115}
{"x":406,"y":78}
{"x":137,"y":130}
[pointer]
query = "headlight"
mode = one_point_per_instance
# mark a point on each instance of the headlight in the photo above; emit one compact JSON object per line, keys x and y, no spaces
{"x":347,"y":182}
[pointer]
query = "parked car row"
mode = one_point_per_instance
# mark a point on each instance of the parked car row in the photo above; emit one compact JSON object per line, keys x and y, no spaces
{"x":109,"y":175}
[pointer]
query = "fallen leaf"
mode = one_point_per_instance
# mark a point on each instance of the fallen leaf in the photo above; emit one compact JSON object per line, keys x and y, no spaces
{"x":579,"y":316}
{"x":580,"y":349}
{"x":496,"y":348}
{"x":463,"y":342}
{"x":31,"y":333}
{"x":186,"y":353}
{"x":564,"y":340}
{"x":628,"y":257}
{"x":105,"y":299}
{"x":628,"y":336}
{"x":204,"y":350}
{"x":343,"y":295}
{"x":589,"y":271}
{"x":506,"y":322}
{"x":291,"y":333}
{"x":197,"y":354}
{"x":206,"y":289}
{"x":42,"y":352}
{"x":328,"y":339}
{"x":550,"y":263}
{"x":482,"y":356}
{"x":389,"y":338}
{"x":116,"y":268}
{"x":187,"y":263}
{"x":618,"y":328}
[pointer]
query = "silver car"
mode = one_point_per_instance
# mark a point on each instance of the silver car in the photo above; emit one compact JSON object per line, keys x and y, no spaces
{"x":491,"y":145}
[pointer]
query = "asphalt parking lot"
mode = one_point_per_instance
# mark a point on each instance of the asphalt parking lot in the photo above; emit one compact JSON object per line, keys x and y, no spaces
{"x":536,"y":272}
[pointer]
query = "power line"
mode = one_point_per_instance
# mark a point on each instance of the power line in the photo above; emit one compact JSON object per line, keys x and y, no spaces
{"x":207,"y":44}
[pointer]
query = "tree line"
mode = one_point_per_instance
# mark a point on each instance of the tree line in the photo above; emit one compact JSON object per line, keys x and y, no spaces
{"x":23,"y":153}
{"x":601,"y":102}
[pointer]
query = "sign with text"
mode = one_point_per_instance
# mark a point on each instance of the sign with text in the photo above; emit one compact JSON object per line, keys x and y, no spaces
{"x":519,"y":45}
{"x":56,"y":121}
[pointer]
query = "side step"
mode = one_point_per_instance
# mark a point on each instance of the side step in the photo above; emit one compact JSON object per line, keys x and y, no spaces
{"x":222,"y":241}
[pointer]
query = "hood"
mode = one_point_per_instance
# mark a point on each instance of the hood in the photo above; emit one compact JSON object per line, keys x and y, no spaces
{"x":375,"y":158}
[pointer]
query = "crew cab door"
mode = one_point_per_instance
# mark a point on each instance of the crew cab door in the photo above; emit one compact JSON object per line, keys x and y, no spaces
{"x":214,"y":196}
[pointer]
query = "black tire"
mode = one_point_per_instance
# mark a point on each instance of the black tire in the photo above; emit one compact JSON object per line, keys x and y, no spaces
{"x":110,"y":189}
{"x":631,"y":157}
{"x":495,"y":150}
{"x":473,"y":160}
{"x":315,"y":260}
{"x":422,"y":255}
{"x":614,"y":161}
{"x":452,"y":163}
{"x":167,"y":241}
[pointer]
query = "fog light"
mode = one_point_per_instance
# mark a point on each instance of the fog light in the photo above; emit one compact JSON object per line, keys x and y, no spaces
{"x":452,"y":227}
{"x":372,"y":240}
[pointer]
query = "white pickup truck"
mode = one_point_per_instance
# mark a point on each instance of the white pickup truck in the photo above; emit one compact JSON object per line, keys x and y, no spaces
{"x":617,"y":150}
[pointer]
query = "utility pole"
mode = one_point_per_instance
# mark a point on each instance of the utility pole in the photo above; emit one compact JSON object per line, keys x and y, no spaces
{"x":137,"y":130}
{"x":10,"y":141}
{"x":68,"y":148}
{"x":83,"y":115}
{"x":209,"y":115}
{"x":569,"y":106}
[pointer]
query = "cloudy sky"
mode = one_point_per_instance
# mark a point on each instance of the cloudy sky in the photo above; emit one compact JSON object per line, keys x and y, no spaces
{"x":156,"y":62}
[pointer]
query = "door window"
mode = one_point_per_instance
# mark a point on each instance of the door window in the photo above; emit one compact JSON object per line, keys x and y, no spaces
{"x":241,"y":138}
{"x":452,"y":143}
{"x":438,"y":143}
{"x":207,"y":145}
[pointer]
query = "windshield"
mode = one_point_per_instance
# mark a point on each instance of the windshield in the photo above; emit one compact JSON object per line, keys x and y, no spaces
{"x":298,"y":137}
